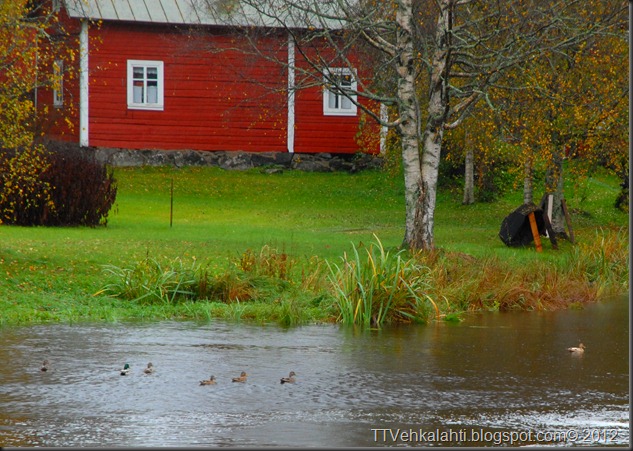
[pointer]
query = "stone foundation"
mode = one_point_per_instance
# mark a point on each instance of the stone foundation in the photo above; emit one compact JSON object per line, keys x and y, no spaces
{"x":322,"y":162}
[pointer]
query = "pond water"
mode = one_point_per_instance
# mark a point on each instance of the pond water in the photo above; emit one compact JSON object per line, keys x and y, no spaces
{"x":495,"y":378}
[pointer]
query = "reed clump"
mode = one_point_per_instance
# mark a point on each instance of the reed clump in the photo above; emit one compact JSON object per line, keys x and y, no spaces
{"x":151,"y":281}
{"x":262,"y":276}
{"x":603,"y":261}
{"x":375,"y":285}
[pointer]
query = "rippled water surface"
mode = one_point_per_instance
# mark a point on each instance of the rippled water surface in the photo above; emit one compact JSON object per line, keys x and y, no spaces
{"x":491,"y":379}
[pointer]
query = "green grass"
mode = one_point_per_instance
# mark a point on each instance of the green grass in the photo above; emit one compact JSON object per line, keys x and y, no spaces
{"x":52,"y":274}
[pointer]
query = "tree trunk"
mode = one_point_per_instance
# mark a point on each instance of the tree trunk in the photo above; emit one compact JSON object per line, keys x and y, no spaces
{"x":528,"y":187}
{"x":469,"y":179}
{"x":409,"y":114}
{"x":434,"y":129}
{"x":622,"y":201}
{"x":554,"y":185}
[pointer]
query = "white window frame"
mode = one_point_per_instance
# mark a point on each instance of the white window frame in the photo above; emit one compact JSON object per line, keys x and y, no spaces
{"x":335,"y":103}
{"x":56,"y":5}
{"x":140,"y":101}
{"x":58,"y":83}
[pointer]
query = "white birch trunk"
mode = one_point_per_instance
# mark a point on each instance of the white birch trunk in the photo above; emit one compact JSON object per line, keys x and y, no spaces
{"x":409,"y":115}
{"x":84,"y":85}
{"x":528,"y":188}
{"x":434,"y":130}
{"x":469,"y":179}
{"x":554,"y":183}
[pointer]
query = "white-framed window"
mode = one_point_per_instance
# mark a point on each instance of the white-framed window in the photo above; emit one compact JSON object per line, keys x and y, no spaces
{"x":58,"y":83}
{"x":145,"y":85}
{"x":335,"y":103}
{"x":57,"y":5}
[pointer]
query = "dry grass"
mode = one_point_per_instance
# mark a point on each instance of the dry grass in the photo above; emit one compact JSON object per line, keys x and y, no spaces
{"x":590,"y":271}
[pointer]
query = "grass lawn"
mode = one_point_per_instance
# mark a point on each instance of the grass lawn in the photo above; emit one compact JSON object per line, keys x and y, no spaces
{"x":52,"y":274}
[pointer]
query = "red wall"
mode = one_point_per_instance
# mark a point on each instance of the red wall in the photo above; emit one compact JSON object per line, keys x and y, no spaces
{"x":211,"y":102}
{"x":223,"y":100}
{"x":59,"y":122}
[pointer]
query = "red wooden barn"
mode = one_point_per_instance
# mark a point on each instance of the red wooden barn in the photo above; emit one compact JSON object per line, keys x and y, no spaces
{"x":163,"y":74}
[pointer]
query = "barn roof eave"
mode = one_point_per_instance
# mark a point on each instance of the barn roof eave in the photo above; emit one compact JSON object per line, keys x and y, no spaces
{"x":194,"y":12}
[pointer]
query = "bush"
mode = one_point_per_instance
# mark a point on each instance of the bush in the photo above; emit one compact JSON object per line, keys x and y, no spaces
{"x":55,"y":184}
{"x":25,"y":195}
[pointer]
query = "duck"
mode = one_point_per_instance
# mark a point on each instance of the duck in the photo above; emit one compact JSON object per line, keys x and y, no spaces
{"x":45,"y":365}
{"x":149,"y":369}
{"x":125,"y":370}
{"x":290,"y":379}
{"x":242,"y":377}
{"x":577,"y":349}
{"x":210,"y":381}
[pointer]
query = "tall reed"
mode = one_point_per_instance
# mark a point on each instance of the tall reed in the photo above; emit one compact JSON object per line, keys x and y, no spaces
{"x":379,"y":286}
{"x":149,"y":281}
{"x":602,"y":261}
{"x":252,"y":276}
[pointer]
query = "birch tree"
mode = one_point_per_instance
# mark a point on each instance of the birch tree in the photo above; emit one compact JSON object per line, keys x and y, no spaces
{"x":452,"y":51}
